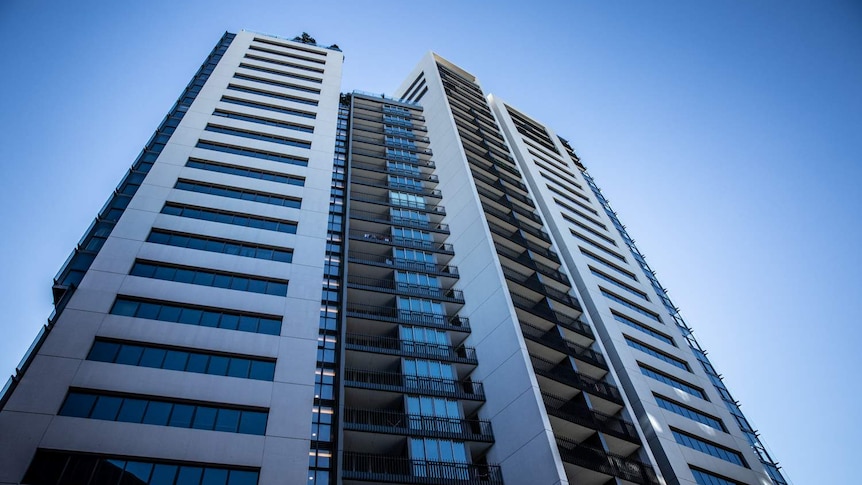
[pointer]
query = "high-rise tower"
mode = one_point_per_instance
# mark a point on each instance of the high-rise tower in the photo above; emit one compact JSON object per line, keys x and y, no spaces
{"x":293,"y":285}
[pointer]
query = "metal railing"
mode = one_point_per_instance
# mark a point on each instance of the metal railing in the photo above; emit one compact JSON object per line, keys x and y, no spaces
{"x":383,"y":168}
{"x":389,"y":469}
{"x":533,"y":283}
{"x":607,"y":463}
{"x":386,"y":218}
{"x":564,"y":373}
{"x":554,"y":340}
{"x":397,"y":422}
{"x":393,"y":286}
{"x":410,"y":317}
{"x":389,"y":239}
{"x":542,"y":310}
{"x":388,"y":200}
{"x":590,"y":418}
{"x":397,"y":382}
{"x":525,"y":259}
{"x":384,"y":183}
{"x":399,"y":263}
{"x":396,"y":346}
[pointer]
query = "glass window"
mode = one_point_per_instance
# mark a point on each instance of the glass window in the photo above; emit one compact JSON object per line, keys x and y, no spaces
{"x":158,"y":413}
{"x":214,"y":476}
{"x":78,"y":405}
{"x":152,"y":357}
{"x":129,"y":355}
{"x":227,"y":420}
{"x":106,"y":408}
{"x":137,"y":473}
{"x":132,"y":410}
{"x":197,"y":363}
{"x":181,"y":416}
{"x":264,"y":371}
{"x":204,"y":417}
{"x":218,"y":365}
{"x":253,"y":423}
{"x":189,"y":475}
{"x":176,"y":360}
{"x":238,"y":367}
{"x":163,"y":474}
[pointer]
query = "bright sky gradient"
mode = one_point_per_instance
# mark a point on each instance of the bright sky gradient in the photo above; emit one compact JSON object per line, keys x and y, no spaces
{"x":726,"y":134}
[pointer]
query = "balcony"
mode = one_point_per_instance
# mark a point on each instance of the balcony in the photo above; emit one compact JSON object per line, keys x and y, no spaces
{"x":552,"y":339}
{"x":394,"y":287}
{"x":381,"y":154}
{"x":525,"y":258}
{"x":543,"y":311}
{"x":388,"y":261}
{"x":387,"y":200}
{"x":606,"y":463}
{"x":389,"y":469}
{"x":534,"y":283}
{"x":384,"y":183}
{"x":394,"y":170}
{"x":396,"y":422}
{"x":389,"y":240}
{"x":590,"y":418}
{"x":391,"y":314}
{"x":518,"y":239}
{"x":406,"y":384}
{"x":564,"y":373}
{"x":383,"y":217}
{"x":406,"y":348}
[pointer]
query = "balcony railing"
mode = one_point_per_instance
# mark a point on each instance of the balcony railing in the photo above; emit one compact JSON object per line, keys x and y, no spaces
{"x":386,"y":218}
{"x":397,"y":382}
{"x":395,"y":346}
{"x":607,"y":463}
{"x":396,"y":422}
{"x":391,"y":240}
{"x":542,"y":310}
{"x":383,"y":168}
{"x":533,"y":283}
{"x":414,"y":160}
{"x":525,"y":259}
{"x":405,"y":204}
{"x":384,"y":183}
{"x":564,"y":373}
{"x":554,"y":340}
{"x":399,"y":263}
{"x":590,"y":418}
{"x":391,"y":286}
{"x":518,"y":238}
{"x":515,"y":220}
{"x":388,"y":469}
{"x":408,"y":317}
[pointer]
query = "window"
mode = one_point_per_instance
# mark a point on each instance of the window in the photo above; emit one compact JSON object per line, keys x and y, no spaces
{"x":279,"y":72}
{"x":268,"y":107}
{"x":286,"y":54}
{"x":148,"y":355}
{"x":405,"y":182}
{"x":224,"y":246}
{"x":251,"y":152}
{"x":64,"y":468}
{"x":708,"y":447}
{"x":397,"y":120}
{"x":637,"y":308}
{"x":414,"y":236}
{"x":225,"y":217}
{"x":427,"y":453}
{"x":246,"y":172}
{"x":607,"y":263}
{"x":92,"y":405}
{"x":234,"y":193}
{"x":689,"y":413}
{"x":271,"y":94}
{"x":283,"y":63}
{"x":408,"y":217}
{"x":399,"y":154}
{"x":415,"y":259}
{"x":203,"y":277}
{"x":401,"y":167}
{"x":675,"y":383}
{"x":407,"y":200}
{"x":272,"y":82}
{"x":598,"y":274}
{"x":192,"y":315}
{"x":657,"y":354}
{"x":263,"y":121}
{"x":643,"y":328}
{"x":253,"y":135}
{"x":705,"y":478}
{"x":406,"y":279}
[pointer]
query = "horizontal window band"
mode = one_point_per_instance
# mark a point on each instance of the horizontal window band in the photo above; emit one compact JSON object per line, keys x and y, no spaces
{"x":219,"y":245}
{"x":226,"y":217}
{"x":208,"y":277}
{"x":245,"y":172}
{"x":196,"y":315}
{"x":251,"y":152}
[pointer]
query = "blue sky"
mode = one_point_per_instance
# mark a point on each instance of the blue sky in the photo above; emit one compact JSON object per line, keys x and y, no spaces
{"x":726,"y":134}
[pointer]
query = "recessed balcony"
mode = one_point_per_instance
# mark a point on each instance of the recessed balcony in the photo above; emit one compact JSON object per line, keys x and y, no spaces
{"x":388,"y":240}
{"x":563,"y":373}
{"x":407,"y":384}
{"x":593,"y":466}
{"x":593,"y":362}
{"x":362,"y":467}
{"x":573,"y":412}
{"x":391,"y":314}
{"x":390,"y":286}
{"x":388,"y":220}
{"x":414,"y":425}
{"x":406,"y":348}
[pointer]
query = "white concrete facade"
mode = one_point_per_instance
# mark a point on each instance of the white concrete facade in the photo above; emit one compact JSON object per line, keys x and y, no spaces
{"x":557,"y":183}
{"x":30,"y":415}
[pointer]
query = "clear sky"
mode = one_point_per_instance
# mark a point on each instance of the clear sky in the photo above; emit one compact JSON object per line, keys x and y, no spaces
{"x":726,"y":134}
